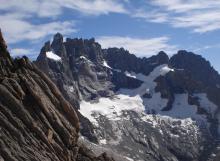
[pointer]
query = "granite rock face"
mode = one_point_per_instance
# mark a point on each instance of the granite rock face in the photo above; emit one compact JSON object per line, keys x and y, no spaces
{"x":80,"y":70}
{"x":36,"y":122}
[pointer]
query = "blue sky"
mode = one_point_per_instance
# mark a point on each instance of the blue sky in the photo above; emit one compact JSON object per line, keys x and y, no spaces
{"x":144,"y":27}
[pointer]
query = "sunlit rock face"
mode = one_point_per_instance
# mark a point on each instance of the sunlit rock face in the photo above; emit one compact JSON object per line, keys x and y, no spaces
{"x":155,"y":108}
{"x":36,"y":122}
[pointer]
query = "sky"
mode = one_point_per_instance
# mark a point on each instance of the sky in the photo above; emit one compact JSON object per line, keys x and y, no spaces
{"x":144,"y":27}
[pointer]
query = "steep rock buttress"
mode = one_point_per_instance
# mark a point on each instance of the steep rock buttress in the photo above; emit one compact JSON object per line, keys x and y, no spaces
{"x":36,"y":122}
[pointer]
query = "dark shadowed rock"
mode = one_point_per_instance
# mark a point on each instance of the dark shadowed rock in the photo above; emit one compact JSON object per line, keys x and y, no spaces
{"x":121,"y":59}
{"x":122,"y":81}
{"x":199,"y":68}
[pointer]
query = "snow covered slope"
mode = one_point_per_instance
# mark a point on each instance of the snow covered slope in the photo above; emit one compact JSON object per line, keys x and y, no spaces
{"x":125,"y":99}
{"x":114,"y":119}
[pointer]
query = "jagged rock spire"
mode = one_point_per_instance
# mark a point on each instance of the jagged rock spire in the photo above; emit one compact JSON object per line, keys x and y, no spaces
{"x":57,"y":39}
{"x":2,"y":41}
{"x":3,"y":48}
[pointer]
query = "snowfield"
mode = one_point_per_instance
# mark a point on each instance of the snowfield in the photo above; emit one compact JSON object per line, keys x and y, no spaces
{"x":111,"y":108}
{"x":131,"y":99}
{"x":53,"y":56}
{"x":128,"y":106}
{"x":125,"y":99}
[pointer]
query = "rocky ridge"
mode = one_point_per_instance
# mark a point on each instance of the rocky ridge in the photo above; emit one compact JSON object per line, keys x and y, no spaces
{"x":36,"y":122}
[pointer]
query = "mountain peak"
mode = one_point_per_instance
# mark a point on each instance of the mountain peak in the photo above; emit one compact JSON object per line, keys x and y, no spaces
{"x":183,"y":58}
{"x":58,"y":36}
{"x":198,"y":66}
{"x":183,"y":52}
{"x":57,"y":39}
{"x":162,"y":53}
{"x":162,"y":57}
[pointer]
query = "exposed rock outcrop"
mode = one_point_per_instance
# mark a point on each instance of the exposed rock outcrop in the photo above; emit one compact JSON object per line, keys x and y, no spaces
{"x":193,"y":63}
{"x":124,"y":61}
{"x":36,"y":122}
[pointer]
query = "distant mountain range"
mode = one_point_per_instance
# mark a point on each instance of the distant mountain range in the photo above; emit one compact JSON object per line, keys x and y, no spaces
{"x":153,"y":108}
{"x":125,"y":108}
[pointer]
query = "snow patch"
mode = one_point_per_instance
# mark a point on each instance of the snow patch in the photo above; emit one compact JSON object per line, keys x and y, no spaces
{"x":53,"y":56}
{"x":159,"y":121}
{"x":111,"y":108}
{"x":106,"y":64}
{"x":103,"y":141}
{"x":165,"y":70}
{"x":83,"y":57}
{"x":129,"y":159}
{"x":129,"y":74}
{"x":181,"y":108}
{"x":213,"y":155}
{"x":160,"y":70}
{"x":71,"y":88}
{"x":206,"y":103}
{"x":156,"y":103}
{"x":149,"y":85}
{"x":138,"y":76}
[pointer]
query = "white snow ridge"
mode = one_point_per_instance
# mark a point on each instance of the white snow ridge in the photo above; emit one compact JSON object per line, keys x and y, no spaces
{"x":53,"y":56}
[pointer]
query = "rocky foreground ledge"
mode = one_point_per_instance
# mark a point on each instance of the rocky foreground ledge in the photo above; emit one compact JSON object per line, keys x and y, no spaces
{"x":36,"y":122}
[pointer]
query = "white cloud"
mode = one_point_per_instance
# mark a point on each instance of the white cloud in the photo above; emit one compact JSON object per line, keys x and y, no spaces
{"x":16,"y":18}
{"x":16,"y":29}
{"x":200,"y":21}
{"x":186,"y":5}
{"x":94,"y":7}
{"x":15,"y":52}
{"x":139,"y":46}
{"x":152,"y":16}
{"x":200,"y":16}
{"x":48,"y":8}
{"x":206,"y":47}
